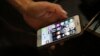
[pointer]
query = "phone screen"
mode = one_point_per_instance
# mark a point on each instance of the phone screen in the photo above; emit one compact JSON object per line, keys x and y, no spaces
{"x":58,"y":31}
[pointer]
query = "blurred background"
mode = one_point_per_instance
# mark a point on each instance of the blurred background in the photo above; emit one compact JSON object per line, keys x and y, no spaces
{"x":87,"y":44}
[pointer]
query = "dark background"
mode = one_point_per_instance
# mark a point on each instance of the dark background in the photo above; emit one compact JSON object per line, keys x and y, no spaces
{"x":16,"y":43}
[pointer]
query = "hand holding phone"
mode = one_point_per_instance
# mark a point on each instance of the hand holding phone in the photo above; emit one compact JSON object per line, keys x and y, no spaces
{"x":59,"y":31}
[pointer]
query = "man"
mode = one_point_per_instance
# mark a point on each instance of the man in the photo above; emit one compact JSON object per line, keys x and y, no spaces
{"x":16,"y":31}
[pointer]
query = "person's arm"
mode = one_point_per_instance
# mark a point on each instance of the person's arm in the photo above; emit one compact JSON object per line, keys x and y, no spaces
{"x":39,"y":14}
{"x":20,"y":4}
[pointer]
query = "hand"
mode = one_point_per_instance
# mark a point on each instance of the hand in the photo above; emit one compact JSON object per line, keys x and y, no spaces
{"x":39,"y":14}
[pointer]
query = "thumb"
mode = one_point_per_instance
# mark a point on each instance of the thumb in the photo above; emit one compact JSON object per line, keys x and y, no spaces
{"x":58,"y":10}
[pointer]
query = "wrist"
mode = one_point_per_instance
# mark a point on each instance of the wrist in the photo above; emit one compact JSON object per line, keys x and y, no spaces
{"x":20,"y":4}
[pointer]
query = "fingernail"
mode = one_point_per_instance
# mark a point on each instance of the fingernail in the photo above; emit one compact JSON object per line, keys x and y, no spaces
{"x":64,"y":11}
{"x":64,"y":16}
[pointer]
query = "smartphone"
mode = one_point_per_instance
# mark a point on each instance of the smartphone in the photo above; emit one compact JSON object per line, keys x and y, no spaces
{"x":58,"y":31}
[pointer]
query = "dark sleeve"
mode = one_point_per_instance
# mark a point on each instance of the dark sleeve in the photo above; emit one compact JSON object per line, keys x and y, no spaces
{"x":10,"y":16}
